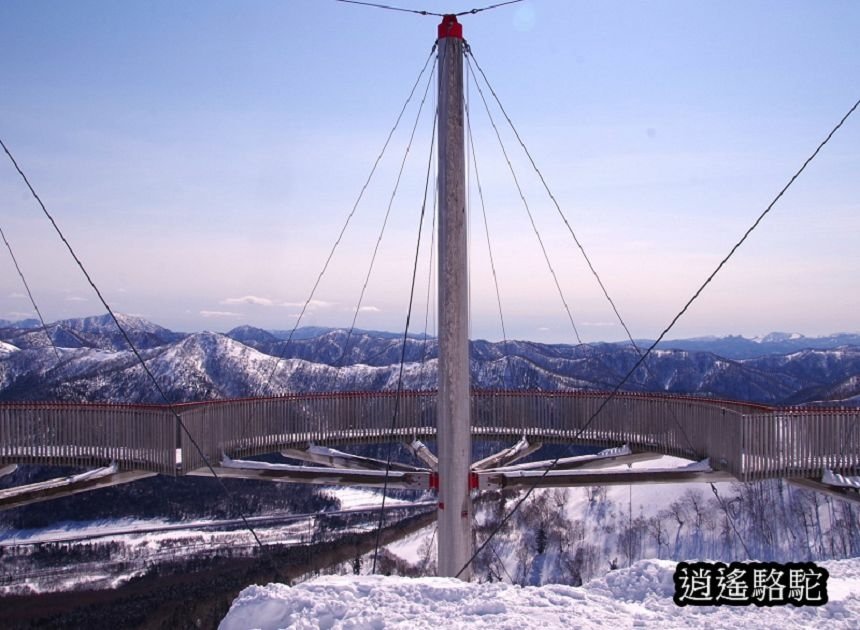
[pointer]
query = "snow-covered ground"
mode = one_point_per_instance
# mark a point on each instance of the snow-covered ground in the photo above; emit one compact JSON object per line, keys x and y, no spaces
{"x":113,"y":529}
{"x":128,"y":547}
{"x":639,"y":596}
{"x":644,"y":499}
{"x":601,"y":520}
{"x":352,"y":497}
{"x":412,"y":548}
{"x":108,"y":554}
{"x":636,"y":596}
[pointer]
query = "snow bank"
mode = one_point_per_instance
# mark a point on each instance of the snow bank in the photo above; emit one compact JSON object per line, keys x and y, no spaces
{"x":640,"y":596}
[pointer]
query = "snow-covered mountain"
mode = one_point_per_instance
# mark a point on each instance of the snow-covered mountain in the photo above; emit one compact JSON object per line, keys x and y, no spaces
{"x":22,"y":323}
{"x":99,"y":332}
{"x":96,"y":365}
{"x":336,"y":346}
{"x":565,"y":536}
{"x":737,"y":347}
{"x":201,"y":366}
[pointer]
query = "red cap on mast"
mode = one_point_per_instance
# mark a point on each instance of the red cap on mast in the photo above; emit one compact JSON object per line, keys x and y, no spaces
{"x":450,"y":27}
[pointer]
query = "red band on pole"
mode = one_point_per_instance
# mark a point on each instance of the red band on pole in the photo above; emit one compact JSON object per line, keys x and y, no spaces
{"x":450,"y":27}
{"x":473,"y":481}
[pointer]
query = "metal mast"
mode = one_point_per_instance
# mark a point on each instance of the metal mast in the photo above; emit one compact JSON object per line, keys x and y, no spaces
{"x":454,"y":422}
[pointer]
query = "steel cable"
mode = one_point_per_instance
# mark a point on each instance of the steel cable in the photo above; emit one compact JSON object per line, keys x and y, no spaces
{"x":30,"y":293}
{"x":389,"y":7}
{"x":671,"y":324}
{"x":529,"y":213}
{"x":385,"y":221}
{"x":403,"y":351}
{"x":334,"y":247}
{"x":489,"y":251}
{"x":131,"y":345}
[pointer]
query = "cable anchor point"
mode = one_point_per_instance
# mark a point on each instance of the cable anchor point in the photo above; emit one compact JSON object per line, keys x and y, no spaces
{"x":450,"y":27}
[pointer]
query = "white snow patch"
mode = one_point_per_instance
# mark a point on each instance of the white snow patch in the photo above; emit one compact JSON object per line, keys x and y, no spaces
{"x":409,"y":547}
{"x":646,"y":499}
{"x":356,"y":497}
{"x":640,"y":596}
{"x":7,"y":348}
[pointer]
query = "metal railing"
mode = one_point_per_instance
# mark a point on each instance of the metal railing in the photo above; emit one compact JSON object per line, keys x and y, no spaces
{"x":800,"y":443}
{"x":136,"y":437}
{"x":749,"y":441}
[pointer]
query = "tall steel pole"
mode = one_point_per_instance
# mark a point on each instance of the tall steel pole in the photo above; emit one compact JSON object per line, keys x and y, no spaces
{"x":454,"y":422}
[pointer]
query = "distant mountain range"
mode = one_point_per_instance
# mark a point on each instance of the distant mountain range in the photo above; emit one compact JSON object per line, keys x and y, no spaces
{"x":96,"y":365}
{"x":737,"y":347}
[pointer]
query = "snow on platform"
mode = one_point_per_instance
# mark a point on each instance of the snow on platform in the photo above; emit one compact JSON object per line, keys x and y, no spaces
{"x":640,"y":596}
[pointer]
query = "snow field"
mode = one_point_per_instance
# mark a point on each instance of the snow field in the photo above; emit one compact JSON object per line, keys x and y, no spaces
{"x":640,"y":596}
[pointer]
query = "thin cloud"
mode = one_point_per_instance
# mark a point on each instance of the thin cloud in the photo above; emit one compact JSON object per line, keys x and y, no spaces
{"x":248,"y":299}
{"x":368,"y":309}
{"x":75,"y":298}
{"x":312,"y":305}
{"x":219,"y":314}
{"x":16,"y":296}
{"x":600,"y":324}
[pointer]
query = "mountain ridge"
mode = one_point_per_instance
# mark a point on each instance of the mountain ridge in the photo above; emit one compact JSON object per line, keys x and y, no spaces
{"x":95,"y":365}
{"x":729,"y":346}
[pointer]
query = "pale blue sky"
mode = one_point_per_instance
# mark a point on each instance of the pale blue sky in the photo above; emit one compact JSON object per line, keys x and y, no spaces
{"x":201,"y":157}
